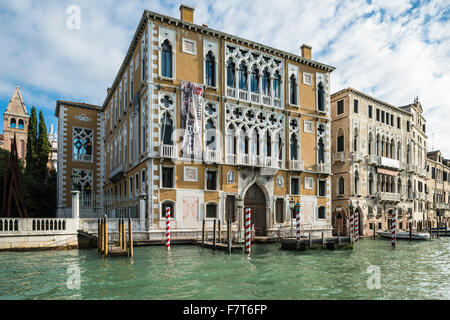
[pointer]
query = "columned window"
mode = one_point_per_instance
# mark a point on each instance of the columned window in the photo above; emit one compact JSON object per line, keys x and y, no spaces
{"x":356,"y":182}
{"x":166,"y":129}
{"x":340,"y":141}
{"x":320,"y":151}
{"x":341,"y":185}
{"x":243,"y":76}
{"x":266,"y":83}
{"x":294,"y":147}
{"x":254,"y":81}
{"x":277,"y":85}
{"x":231,"y":73}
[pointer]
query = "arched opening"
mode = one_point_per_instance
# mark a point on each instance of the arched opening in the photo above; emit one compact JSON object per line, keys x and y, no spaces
{"x":242,"y":76}
{"x":231,"y":67}
{"x":293,"y":90}
{"x":166,"y":59}
{"x":254,"y":82}
{"x":21,"y":124}
{"x":256,"y":201}
{"x":210,"y":70}
{"x":339,"y":222}
{"x":321,"y":97}
{"x":12,"y":123}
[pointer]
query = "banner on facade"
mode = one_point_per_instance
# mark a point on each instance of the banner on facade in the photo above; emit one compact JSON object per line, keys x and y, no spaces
{"x":191,"y":120}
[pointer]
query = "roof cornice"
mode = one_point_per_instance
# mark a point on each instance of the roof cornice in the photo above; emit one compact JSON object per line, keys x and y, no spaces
{"x":77,"y":105}
{"x":366,"y":96}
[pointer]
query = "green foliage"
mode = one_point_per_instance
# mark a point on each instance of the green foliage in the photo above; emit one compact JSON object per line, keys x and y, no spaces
{"x":38,"y":182}
{"x":31,"y":156}
{"x":42,"y":146}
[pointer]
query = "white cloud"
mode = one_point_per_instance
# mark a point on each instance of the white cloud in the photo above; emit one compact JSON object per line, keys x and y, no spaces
{"x":388,"y":49}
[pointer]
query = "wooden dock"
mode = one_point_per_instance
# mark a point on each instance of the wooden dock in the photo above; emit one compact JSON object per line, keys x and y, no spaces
{"x":331,"y":243}
{"x":220,"y":246}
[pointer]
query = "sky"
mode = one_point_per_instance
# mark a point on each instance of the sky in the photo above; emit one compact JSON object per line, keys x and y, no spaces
{"x":392,"y":50}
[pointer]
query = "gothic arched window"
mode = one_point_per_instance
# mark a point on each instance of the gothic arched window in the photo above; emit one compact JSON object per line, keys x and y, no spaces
{"x":266,"y":83}
{"x":321,"y":97}
{"x":254,"y":81}
{"x":243,"y":76}
{"x":166,"y":59}
{"x":277,"y":85}
{"x":231,"y":73}
{"x":210,"y":70}
{"x":293,"y":90}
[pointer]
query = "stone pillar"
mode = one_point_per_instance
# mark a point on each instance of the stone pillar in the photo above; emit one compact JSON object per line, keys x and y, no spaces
{"x":142,"y":209}
{"x":76,"y":206}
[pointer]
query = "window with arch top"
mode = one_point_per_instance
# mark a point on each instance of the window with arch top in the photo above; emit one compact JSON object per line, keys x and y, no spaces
{"x":210,"y":68}
{"x":166,"y":59}
{"x":254,"y":81}
{"x":266,"y":83}
{"x":12,"y":123}
{"x":293,"y":90}
{"x":277,"y":85}
{"x":242,"y":76}
{"x":231,"y":67}
{"x":341,"y":185}
{"x":321,"y":97}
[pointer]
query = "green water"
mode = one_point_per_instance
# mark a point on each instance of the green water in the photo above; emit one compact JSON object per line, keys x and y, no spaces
{"x":413,"y":270}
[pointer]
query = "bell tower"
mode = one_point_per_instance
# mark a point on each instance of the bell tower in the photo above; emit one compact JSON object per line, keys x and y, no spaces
{"x":15,"y":121}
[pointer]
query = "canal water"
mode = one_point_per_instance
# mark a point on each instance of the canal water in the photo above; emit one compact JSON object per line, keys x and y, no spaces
{"x":413,"y":270}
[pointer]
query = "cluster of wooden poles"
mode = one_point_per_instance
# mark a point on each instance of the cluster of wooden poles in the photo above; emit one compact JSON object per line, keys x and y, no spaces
{"x":217,"y":231}
{"x":105,"y":248}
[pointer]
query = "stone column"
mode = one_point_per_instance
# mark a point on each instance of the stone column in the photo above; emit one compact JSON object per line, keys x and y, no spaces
{"x":142,"y":209}
{"x":240,"y":216}
{"x":76,"y":207}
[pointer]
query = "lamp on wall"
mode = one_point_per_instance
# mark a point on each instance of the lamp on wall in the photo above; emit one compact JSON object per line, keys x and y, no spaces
{"x":75,"y":180}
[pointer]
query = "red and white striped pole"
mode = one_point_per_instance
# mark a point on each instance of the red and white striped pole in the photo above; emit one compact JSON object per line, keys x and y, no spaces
{"x":248,"y":239}
{"x":297,"y":218}
{"x":351,"y":223}
{"x":168,"y":228}
{"x":394,"y":227}
{"x":356,"y":222}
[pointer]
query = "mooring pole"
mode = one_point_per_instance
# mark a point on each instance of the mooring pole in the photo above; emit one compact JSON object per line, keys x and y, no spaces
{"x":220,"y":237}
{"x":229,"y":236}
{"x":106,"y":238}
{"x":310,"y":240}
{"x":203,"y":234}
{"x":124,"y":235}
{"x":98,"y":234}
{"x":248,"y":240}
{"x":437,"y":227}
{"x":130,"y":236}
{"x":214,"y":235}
{"x":394,"y":227}
{"x":410,"y":231}
{"x":445,"y":228}
{"x":120,"y":233}
{"x":102,"y":243}
{"x":323,"y":240}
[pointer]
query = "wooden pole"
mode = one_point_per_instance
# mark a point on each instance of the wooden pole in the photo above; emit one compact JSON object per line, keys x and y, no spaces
{"x":310,"y":240}
{"x":120,"y":233}
{"x":203,"y":233}
{"x":437,"y":227}
{"x":102,"y":241}
{"x":410,"y":231}
{"x":229,"y":236}
{"x":445,"y":228}
{"x":374,"y":231}
{"x":130,"y":237}
{"x":323,"y":240}
{"x":214,"y":235}
{"x":98,"y":234}
{"x":106,"y":238}
{"x":220,"y":238}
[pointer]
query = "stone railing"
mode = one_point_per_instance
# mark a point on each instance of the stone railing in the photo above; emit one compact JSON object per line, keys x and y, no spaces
{"x":168,"y":151}
{"x":212,"y":156}
{"x":357,"y":156}
{"x":387,"y":196}
{"x":339,"y":156}
{"x":324,"y":168}
{"x":298,"y":165}
{"x":37,"y":225}
{"x":372,"y":159}
{"x":390,"y":163}
{"x":231,"y":92}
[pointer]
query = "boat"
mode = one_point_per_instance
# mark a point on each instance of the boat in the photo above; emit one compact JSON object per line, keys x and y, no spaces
{"x":405,"y":235}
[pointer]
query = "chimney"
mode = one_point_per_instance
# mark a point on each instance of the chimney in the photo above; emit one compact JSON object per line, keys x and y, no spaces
{"x":306,"y":51}
{"x":187,"y":13}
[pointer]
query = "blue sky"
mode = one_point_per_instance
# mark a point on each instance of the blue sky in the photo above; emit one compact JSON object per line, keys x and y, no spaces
{"x":394,"y":50}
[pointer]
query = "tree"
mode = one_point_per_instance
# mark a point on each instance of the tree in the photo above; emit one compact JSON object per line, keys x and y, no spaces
{"x":42,"y":146}
{"x":31,"y":141}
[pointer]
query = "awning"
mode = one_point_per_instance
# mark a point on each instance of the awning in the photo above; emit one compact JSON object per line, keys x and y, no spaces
{"x":388,"y":172}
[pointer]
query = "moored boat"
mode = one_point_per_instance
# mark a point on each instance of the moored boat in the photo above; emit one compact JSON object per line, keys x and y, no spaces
{"x":405,"y":235}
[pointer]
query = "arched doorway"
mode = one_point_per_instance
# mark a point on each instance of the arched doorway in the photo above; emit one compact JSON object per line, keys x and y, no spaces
{"x":339,"y":222}
{"x":256,"y":201}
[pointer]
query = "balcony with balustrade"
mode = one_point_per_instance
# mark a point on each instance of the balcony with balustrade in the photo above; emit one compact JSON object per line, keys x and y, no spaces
{"x":243,"y":95}
{"x":389,"y":163}
{"x":168,"y":151}
{"x":373,"y":159}
{"x":390,"y":197}
{"x":297,"y":165}
{"x":212,"y":156}
{"x":231,"y":92}
{"x":117,"y":173}
{"x":339,"y":157}
{"x":357,"y":156}
{"x":324,"y":168}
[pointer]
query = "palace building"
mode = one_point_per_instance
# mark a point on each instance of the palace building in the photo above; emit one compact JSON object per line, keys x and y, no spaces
{"x":207,"y":124}
{"x":379,"y":161}
{"x":438,"y":202}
